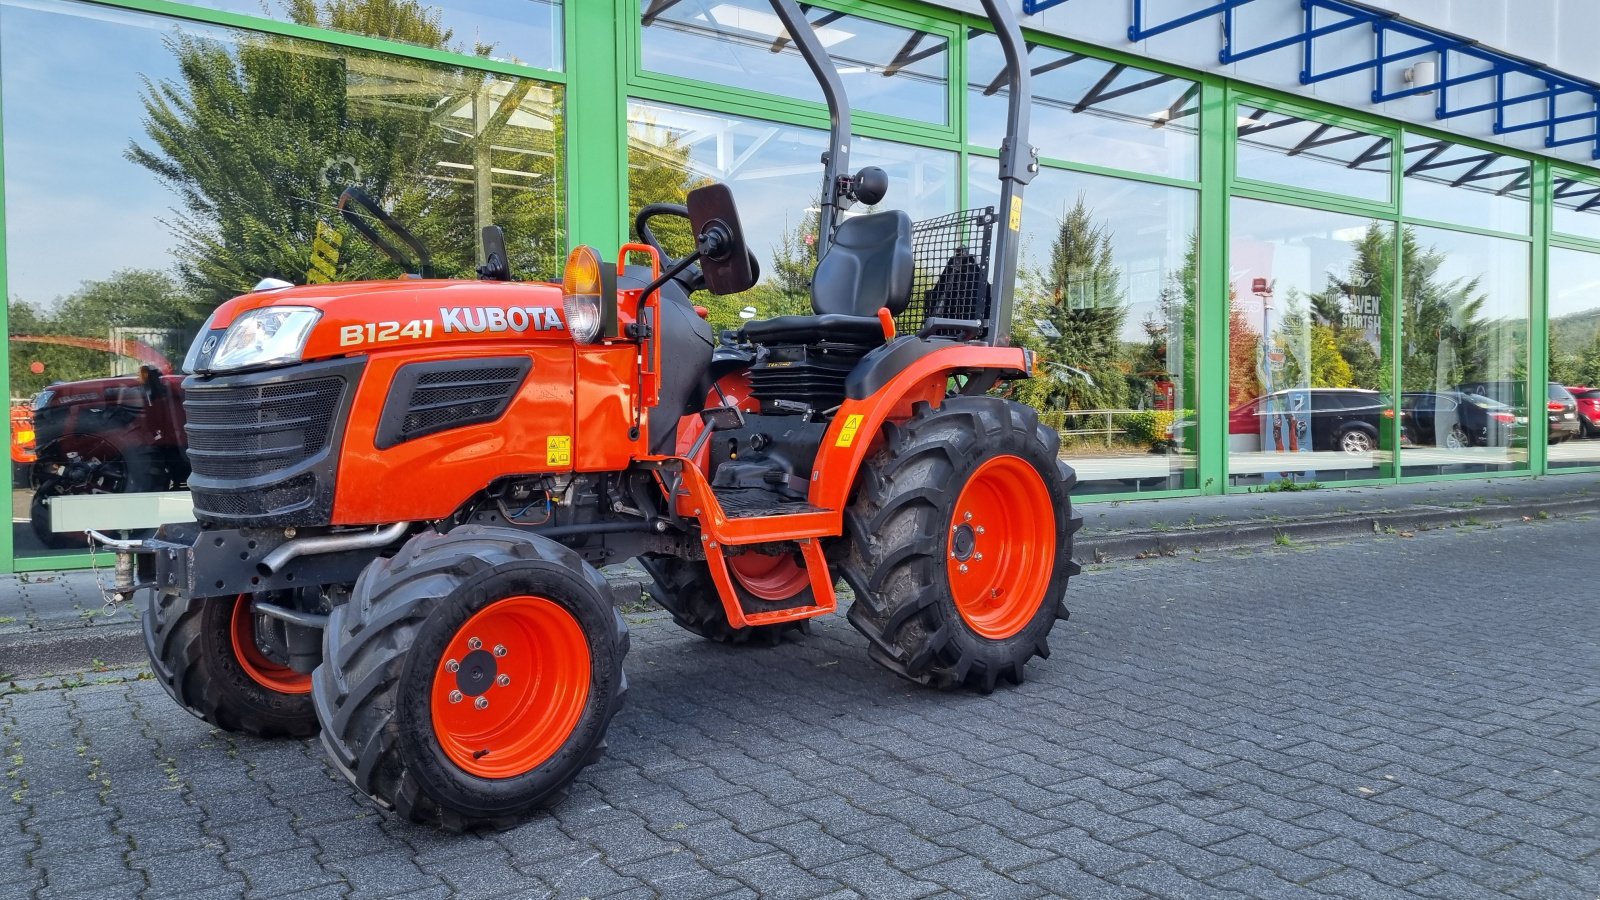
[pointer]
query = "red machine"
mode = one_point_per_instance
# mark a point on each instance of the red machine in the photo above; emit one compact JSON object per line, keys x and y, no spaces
{"x":404,"y":488}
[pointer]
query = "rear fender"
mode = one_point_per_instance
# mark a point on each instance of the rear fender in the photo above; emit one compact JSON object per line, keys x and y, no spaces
{"x":857,"y":428}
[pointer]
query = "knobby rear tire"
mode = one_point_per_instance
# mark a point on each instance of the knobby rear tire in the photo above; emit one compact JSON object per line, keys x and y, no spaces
{"x":899,"y":539}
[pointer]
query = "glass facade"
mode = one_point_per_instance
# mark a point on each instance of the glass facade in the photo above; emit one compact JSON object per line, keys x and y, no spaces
{"x":1383,"y":302}
{"x":154,"y":168}
{"x":1310,"y":382}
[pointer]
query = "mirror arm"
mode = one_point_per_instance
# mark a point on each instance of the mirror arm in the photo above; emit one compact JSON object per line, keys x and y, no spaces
{"x":667,"y":275}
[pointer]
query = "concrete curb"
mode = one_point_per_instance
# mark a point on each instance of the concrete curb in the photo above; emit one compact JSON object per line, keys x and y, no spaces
{"x":121,"y":645}
{"x":1237,"y":536}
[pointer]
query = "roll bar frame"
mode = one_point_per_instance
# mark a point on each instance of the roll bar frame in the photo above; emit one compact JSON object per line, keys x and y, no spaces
{"x":1019,"y":160}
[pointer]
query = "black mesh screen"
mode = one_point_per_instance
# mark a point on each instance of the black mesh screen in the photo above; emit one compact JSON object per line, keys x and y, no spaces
{"x":250,"y":431}
{"x":430,"y":397}
{"x":952,"y":269}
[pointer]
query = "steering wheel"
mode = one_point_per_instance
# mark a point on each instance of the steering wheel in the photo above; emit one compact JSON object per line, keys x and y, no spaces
{"x":690,"y":278}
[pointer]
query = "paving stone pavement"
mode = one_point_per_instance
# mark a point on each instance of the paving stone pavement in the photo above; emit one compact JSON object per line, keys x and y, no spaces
{"x":1391,"y":717}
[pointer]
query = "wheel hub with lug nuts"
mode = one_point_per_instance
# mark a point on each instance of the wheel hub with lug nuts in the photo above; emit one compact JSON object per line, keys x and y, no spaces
{"x":501,"y":707}
{"x":476,"y":673}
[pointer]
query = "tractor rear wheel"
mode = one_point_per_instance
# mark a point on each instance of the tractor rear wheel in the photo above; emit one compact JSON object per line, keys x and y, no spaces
{"x":206,"y":654}
{"x":960,"y":543}
{"x":764,"y":581}
{"x":470,"y":678}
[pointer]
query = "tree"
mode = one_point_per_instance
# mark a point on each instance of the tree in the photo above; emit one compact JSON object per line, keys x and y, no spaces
{"x":258,"y":138}
{"x":1244,"y":352}
{"x":1347,"y":307}
{"x":1071,"y":313}
{"x":143,"y":299}
{"x":1589,"y":368}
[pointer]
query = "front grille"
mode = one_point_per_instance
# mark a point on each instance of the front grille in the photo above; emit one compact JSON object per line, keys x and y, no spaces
{"x":264,"y":446}
{"x":291,"y":494}
{"x":430,"y":397}
{"x":252,"y":431}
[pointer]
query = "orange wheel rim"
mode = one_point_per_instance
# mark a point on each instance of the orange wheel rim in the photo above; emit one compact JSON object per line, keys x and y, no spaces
{"x":769,"y":576}
{"x":510,"y":686}
{"x":1001,"y":548}
{"x":255,"y":664}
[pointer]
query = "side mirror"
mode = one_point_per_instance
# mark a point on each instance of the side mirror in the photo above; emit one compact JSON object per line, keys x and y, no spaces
{"x":496,"y":265}
{"x":724,"y":260}
{"x":870,"y":185}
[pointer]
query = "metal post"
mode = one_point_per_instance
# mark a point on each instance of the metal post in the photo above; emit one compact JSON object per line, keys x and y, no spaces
{"x":1019,"y":161}
{"x":836,"y":162}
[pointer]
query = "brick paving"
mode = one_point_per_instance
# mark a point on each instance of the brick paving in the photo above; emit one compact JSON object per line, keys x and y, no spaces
{"x":1393,"y":717}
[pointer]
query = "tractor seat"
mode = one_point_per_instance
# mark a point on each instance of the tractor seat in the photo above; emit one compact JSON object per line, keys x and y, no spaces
{"x":868,"y":268}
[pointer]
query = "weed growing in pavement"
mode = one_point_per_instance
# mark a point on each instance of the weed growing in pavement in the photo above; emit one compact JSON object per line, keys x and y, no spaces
{"x":1542,"y":514}
{"x":1282,"y":539}
{"x":1283,"y":485}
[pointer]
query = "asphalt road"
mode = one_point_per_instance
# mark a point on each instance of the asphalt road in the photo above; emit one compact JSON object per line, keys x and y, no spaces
{"x":1398,"y":716}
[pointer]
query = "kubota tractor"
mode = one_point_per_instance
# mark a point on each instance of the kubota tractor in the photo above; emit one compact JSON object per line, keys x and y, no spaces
{"x":404,"y":488}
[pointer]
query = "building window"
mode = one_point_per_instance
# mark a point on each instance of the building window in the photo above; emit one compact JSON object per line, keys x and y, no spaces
{"x":517,"y":31}
{"x":155,"y":169}
{"x":1107,"y":298}
{"x":1576,"y":210}
{"x":1310,"y":381}
{"x":1574,"y":358}
{"x":1087,"y":110}
{"x":1297,"y":152}
{"x":1464,"y":346}
{"x":887,"y":69}
{"x":1461,"y":185}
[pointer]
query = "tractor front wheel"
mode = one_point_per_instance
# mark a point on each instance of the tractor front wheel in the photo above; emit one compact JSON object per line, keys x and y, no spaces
{"x":471,"y":677}
{"x":208,"y":653}
{"x":960,"y":538}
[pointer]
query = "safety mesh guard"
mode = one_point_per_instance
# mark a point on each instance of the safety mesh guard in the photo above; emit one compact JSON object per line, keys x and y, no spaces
{"x":952,"y":269}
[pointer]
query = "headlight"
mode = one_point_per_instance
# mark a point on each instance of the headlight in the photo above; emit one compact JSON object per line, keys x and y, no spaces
{"x":580,"y":294}
{"x":42,"y":400}
{"x":265,"y":337}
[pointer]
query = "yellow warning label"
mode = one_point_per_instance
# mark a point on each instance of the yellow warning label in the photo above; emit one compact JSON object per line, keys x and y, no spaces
{"x":1016,"y":213}
{"x":324,"y":254}
{"x":847,"y":434}
{"x":558,"y":450}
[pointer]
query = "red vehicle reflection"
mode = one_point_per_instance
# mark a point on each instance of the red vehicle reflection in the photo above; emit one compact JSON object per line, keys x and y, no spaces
{"x":105,"y":436}
{"x":1588,"y":409}
{"x":22,"y":444}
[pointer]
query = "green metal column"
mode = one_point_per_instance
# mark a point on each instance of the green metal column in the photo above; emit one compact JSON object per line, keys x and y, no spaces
{"x":596,"y":120}
{"x":1212,"y":318}
{"x":7,"y":549}
{"x":1539,"y":321}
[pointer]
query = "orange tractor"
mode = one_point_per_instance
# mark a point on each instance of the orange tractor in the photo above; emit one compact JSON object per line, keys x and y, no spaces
{"x":404,"y":488}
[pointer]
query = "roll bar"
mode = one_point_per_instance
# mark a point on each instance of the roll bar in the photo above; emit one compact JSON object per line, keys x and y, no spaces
{"x":1019,"y":161}
{"x":836,"y":160}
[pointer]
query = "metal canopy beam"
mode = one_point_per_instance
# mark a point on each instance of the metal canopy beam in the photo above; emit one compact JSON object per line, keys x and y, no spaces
{"x":1397,"y":40}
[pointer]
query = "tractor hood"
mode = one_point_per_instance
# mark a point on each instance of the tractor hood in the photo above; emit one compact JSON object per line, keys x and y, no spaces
{"x":362,"y":317}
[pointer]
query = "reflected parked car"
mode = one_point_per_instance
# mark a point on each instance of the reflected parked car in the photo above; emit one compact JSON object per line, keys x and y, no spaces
{"x":1588,"y":403}
{"x":1456,"y":420}
{"x":1347,"y":419}
{"x":1562,"y":409}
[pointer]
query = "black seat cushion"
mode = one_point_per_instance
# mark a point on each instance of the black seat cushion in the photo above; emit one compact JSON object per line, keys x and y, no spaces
{"x":864,"y":331}
{"x":868,"y":268}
